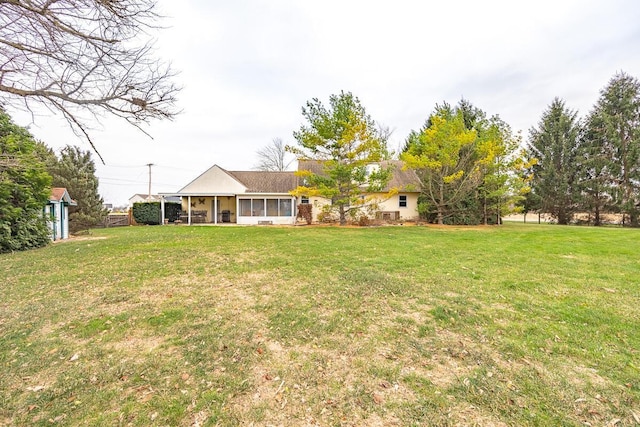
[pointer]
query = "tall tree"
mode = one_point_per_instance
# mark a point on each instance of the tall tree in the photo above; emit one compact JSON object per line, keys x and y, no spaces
{"x":344,"y":139}
{"x":617,"y":113}
{"x":76,"y":171}
{"x":451,"y":157}
{"x":274,"y":157}
{"x":25,"y":187}
{"x":554,"y":144}
{"x":596,"y":182}
{"x":78,"y":56}
{"x":504,"y":187}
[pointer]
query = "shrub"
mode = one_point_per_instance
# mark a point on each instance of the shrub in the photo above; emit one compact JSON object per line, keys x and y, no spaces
{"x":304,"y":212}
{"x":150,"y":212}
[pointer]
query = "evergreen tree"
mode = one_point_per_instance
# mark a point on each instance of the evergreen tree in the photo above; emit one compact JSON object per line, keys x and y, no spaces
{"x":463,"y":160}
{"x":345,"y":140}
{"x":554,"y":146}
{"x":75,"y":171}
{"x":616,"y":135}
{"x":25,"y":188}
{"x":596,"y":180}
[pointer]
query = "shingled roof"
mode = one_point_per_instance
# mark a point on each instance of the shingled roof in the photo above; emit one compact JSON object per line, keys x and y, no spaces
{"x":60,"y":194}
{"x":266,"y":181}
{"x":403,"y":179}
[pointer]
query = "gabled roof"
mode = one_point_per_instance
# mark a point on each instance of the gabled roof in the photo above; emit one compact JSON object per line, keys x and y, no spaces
{"x":60,"y":194}
{"x":145,"y":196}
{"x":217,"y":180}
{"x":401,"y":178}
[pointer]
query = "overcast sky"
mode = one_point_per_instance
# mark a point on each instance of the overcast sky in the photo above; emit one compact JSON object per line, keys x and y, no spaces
{"x":247,"y":68}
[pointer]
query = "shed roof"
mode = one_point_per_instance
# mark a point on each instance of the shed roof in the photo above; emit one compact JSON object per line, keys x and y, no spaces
{"x":60,"y":194}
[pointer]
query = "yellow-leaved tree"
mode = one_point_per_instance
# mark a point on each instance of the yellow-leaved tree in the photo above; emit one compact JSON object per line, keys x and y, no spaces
{"x":452,"y":158}
{"x":339,"y":145}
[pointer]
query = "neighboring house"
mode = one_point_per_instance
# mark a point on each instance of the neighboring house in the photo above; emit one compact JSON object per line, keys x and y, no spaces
{"x":260,"y":197}
{"x":137,"y":198}
{"x":57,"y":213}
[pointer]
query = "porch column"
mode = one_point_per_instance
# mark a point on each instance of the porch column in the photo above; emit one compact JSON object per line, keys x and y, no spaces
{"x":189,"y":210}
{"x":162,"y":210}
{"x":237,"y":208}
{"x":215,"y":209}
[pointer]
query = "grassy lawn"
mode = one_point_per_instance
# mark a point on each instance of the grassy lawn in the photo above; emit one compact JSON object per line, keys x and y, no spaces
{"x":506,"y":326}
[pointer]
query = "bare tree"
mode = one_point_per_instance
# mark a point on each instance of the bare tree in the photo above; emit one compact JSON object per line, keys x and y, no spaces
{"x":273,"y":157}
{"x":76,"y":56}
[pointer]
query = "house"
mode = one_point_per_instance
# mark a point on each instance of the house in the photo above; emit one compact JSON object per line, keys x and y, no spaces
{"x":258,"y":197}
{"x":137,"y":198}
{"x":402,"y":205}
{"x":57,"y":213}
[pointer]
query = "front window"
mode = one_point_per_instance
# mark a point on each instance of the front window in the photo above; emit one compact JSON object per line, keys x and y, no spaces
{"x":402,"y":201}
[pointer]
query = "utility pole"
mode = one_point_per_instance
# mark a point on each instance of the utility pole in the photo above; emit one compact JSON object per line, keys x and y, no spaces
{"x":149,"y":164}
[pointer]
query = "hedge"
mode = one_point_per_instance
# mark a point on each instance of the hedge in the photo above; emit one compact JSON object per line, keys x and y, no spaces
{"x":150,"y":212}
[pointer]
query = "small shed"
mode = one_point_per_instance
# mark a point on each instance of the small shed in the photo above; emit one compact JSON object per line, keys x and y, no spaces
{"x":57,"y":213}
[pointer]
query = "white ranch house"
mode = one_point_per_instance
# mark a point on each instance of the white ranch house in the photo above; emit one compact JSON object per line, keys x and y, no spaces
{"x":219,"y":196}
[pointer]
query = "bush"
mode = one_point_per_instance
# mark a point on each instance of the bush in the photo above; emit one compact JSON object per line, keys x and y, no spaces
{"x":150,"y":212}
{"x":304,"y":212}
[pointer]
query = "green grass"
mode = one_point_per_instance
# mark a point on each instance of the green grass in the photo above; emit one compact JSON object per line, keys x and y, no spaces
{"x":513,"y":325}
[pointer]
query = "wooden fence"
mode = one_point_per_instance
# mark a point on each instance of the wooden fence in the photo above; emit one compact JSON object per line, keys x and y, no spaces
{"x":118,"y":219}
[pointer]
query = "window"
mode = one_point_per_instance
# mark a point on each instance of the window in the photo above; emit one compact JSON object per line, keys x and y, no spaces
{"x":285,"y":207}
{"x":258,"y":207}
{"x":274,"y":207}
{"x":304,"y":200}
{"x":402,"y":200}
{"x":245,"y":207}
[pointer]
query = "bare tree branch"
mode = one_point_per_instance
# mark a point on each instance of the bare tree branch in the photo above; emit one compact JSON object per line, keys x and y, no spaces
{"x":273,"y":157}
{"x":79,"y":56}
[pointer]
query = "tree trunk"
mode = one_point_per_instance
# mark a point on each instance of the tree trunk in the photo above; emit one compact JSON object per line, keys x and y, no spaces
{"x":343,"y":216}
{"x":485,"y":214}
{"x":596,"y":216}
{"x":440,"y":203}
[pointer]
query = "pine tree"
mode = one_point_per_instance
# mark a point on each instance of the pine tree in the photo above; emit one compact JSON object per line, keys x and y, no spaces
{"x":554,"y":148}
{"x":76,"y":171}
{"x":617,"y":135}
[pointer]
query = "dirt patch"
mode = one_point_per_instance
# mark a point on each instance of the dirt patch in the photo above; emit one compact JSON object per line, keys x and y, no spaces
{"x":79,"y":239}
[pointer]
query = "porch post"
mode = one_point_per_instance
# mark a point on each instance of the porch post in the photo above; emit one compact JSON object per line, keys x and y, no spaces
{"x":162,"y":210}
{"x":237,"y":208}
{"x":189,"y":210}
{"x":215,"y":209}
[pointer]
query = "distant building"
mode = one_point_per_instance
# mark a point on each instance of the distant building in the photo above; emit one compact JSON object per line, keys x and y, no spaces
{"x":137,"y":198}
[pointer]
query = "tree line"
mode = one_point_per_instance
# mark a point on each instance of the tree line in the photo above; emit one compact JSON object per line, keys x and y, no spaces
{"x":589,"y":165}
{"x":472,"y":168}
